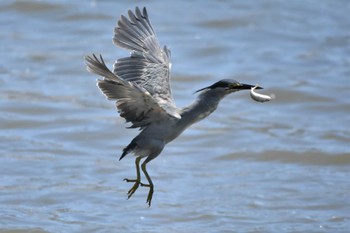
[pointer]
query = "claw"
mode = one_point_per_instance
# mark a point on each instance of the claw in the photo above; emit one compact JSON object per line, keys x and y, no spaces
{"x":142,"y":184}
{"x":131,"y":180}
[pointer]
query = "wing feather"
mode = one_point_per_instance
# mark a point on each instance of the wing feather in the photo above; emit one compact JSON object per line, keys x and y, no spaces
{"x":148,"y":65}
{"x":133,"y":102}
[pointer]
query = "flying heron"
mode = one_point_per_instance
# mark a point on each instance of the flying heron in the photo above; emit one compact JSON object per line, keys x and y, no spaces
{"x":140,"y":85}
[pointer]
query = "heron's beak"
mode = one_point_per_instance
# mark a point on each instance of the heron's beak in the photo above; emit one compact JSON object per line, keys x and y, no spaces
{"x":246,"y":87}
{"x":201,"y":90}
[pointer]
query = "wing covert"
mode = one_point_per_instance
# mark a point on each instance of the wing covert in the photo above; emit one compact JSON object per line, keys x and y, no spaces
{"x":133,"y":102}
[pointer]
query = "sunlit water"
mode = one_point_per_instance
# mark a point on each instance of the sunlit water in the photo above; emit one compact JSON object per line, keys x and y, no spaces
{"x":281,"y":166}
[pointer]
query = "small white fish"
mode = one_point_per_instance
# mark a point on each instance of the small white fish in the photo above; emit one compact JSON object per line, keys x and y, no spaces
{"x":259,"y":97}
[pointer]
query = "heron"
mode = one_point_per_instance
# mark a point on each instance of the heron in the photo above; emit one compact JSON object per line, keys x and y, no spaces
{"x":140,"y":86}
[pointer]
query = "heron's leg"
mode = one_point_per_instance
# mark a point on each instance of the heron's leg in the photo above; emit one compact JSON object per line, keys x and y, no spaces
{"x":150,"y":183}
{"x":137,"y":180}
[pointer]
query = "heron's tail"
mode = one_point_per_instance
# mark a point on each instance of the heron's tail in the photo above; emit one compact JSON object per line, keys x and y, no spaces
{"x":128,"y":149}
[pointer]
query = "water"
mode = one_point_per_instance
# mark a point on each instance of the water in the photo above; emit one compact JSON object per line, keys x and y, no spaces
{"x":281,"y":166}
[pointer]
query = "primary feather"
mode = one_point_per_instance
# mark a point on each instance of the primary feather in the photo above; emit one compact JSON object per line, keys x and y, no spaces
{"x":148,"y":65}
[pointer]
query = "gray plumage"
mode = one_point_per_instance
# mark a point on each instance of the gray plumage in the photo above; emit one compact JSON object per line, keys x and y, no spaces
{"x":140,"y":85}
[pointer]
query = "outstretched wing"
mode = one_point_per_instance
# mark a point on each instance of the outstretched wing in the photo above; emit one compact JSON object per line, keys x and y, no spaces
{"x":148,"y":65}
{"x":134,"y":103}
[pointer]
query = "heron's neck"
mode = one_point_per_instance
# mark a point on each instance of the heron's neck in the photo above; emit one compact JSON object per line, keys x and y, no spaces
{"x":203,"y":106}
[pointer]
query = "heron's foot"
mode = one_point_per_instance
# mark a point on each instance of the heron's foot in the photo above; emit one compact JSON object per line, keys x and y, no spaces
{"x":134,"y":187}
{"x":150,"y":194}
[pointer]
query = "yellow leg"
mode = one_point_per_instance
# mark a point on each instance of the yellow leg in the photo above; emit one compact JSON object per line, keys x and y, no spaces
{"x":150,"y":183}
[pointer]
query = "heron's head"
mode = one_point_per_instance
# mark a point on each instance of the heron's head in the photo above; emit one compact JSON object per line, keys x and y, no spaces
{"x":227,"y":86}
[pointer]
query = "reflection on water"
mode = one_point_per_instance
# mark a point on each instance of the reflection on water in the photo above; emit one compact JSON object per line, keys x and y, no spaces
{"x":281,"y":166}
